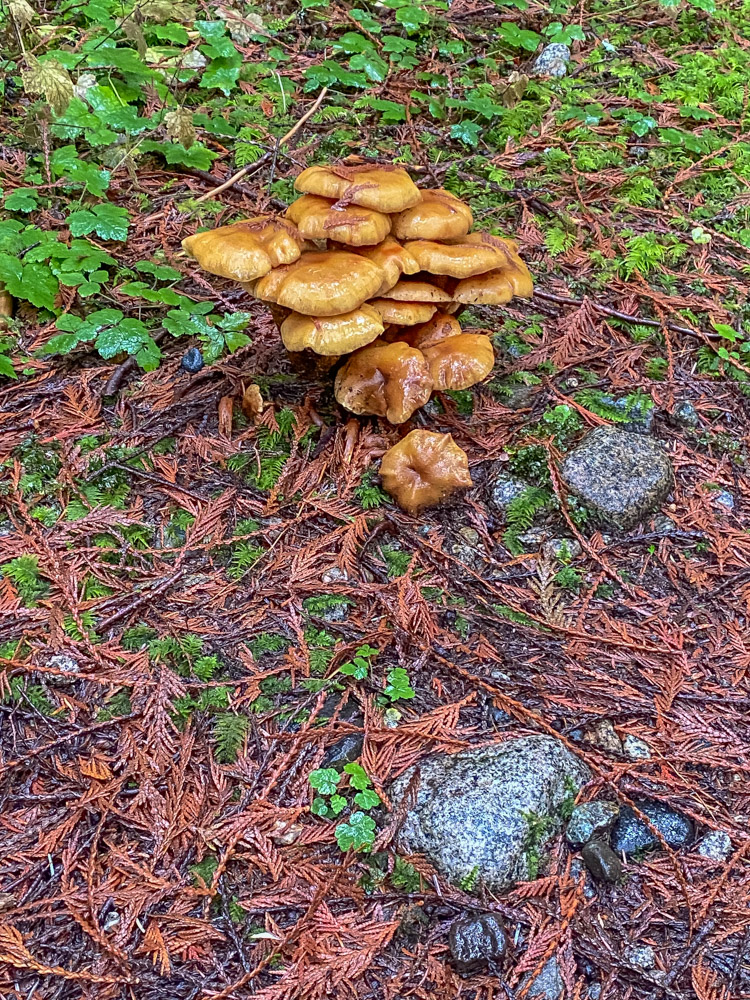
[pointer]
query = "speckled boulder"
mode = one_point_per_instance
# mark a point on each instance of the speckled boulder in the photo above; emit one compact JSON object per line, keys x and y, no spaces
{"x":621,"y":477}
{"x":470,"y":814}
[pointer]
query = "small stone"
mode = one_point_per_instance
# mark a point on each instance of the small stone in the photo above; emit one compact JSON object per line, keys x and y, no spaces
{"x":470,"y":815}
{"x":663,"y":525}
{"x":716,"y":845}
{"x":724,"y":498}
{"x":595,"y":991}
{"x":686,"y":415}
{"x":631,"y":834}
{"x":64,"y":662}
{"x":635,"y":749}
{"x":111,"y":921}
{"x":502,"y":488}
{"x":334,"y":575}
{"x":552,"y":61}
{"x":602,"y":861}
{"x":591,"y":820}
{"x":620,"y":477}
{"x":642,"y":955}
{"x":192,"y":361}
{"x":193,"y":59}
{"x":563,"y":549}
{"x":519,"y":397}
{"x":464,"y":546}
{"x":391,"y":718}
{"x":475,"y":941}
{"x":548,"y":985}
{"x":602,"y":735}
{"x":344,"y":751}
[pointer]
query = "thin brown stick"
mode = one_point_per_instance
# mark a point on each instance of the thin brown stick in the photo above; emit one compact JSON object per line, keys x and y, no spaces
{"x":267,"y":155}
{"x":616,"y":314}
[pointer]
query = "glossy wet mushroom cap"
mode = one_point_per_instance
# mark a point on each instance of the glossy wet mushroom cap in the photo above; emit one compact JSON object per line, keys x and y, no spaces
{"x":416,"y":291}
{"x":460,"y":259}
{"x":384,"y":188}
{"x":327,"y":283}
{"x":403,"y":313}
{"x":439,"y":215}
{"x":460,"y":362}
{"x":384,"y":380}
{"x":393,"y":260}
{"x":331,"y":335}
{"x":439,"y":328}
{"x":354,"y":225}
{"x":245,"y":250}
{"x":423,"y":469}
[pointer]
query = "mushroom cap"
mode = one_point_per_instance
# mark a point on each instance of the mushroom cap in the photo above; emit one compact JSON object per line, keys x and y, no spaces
{"x":439,"y":215}
{"x":459,"y":258}
{"x":498,"y":285}
{"x":320,"y":219}
{"x":403,"y":313}
{"x":385,"y":380}
{"x":423,"y":469}
{"x":434,"y":331}
{"x":327,"y":283}
{"x":393,"y":259}
{"x":384,"y":188}
{"x":331,"y":335}
{"x":461,"y":361}
{"x":416,"y":291}
{"x":245,"y":250}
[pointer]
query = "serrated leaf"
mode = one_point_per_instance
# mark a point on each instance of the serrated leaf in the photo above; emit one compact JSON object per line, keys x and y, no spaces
{"x":51,"y":80}
{"x":6,"y":367}
{"x":357,"y":833}
{"x":128,"y":336}
{"x":173,"y":152}
{"x":375,"y":68}
{"x":338,"y":804}
{"x":325,"y":780}
{"x":110,"y":222}
{"x":180,"y":128}
{"x":221,"y":74}
{"x":149,"y":355}
{"x":467,"y":133}
{"x":358,"y":777}
{"x":22,"y":200}
{"x":367,"y":799}
{"x":21,"y":12}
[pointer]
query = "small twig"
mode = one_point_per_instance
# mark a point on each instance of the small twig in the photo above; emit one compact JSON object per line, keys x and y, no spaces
{"x":268,"y":155}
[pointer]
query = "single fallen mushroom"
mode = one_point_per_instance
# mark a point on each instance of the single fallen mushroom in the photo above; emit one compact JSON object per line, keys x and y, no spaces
{"x":384,"y":380}
{"x":332,"y":335}
{"x":327,"y":283}
{"x":460,"y":362}
{"x":245,"y":250}
{"x":322,"y":219}
{"x":439,"y":215}
{"x":403,"y":313}
{"x":385,"y":188}
{"x":393,"y":259}
{"x":423,"y":469}
{"x":459,"y":258}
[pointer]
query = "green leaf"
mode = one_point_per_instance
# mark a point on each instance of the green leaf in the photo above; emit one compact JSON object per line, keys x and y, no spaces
{"x":174,"y":152}
{"x":6,"y":367}
{"x":412,"y":18}
{"x":222,"y":74}
{"x":375,"y":68}
{"x":167,"y":296}
{"x":162,"y":272}
{"x":108,"y":221}
{"x":325,"y":780}
{"x":149,"y":355}
{"x":338,"y":804}
{"x":367,"y":799}
{"x":320,"y":807}
{"x":21,"y":200}
{"x":357,"y":833}
{"x":129,"y":336}
{"x":466,"y":132}
{"x":519,"y":37}
{"x":358,"y":777}
{"x":398,"y":685}
{"x":34,"y":283}
{"x":725,"y":331}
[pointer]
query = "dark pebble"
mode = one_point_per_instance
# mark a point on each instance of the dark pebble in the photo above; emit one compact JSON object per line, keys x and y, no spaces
{"x":602,"y":861}
{"x":344,"y":751}
{"x":476,"y":940}
{"x":192,"y":361}
{"x":630,"y":834}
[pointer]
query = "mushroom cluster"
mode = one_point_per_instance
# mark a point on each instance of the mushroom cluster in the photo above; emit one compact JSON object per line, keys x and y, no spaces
{"x":371,"y":271}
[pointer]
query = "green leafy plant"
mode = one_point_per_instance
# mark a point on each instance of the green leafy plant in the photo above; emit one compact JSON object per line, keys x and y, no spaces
{"x":24,"y":573}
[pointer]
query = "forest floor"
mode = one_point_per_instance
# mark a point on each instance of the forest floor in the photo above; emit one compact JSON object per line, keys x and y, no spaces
{"x":178,"y":586}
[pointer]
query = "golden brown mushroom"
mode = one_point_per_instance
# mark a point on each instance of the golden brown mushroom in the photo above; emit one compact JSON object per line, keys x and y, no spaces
{"x":416,"y":291}
{"x":435,"y":330}
{"x":245,"y":250}
{"x":439,"y":215}
{"x":384,"y":188}
{"x":459,"y":258}
{"x":497,"y":286}
{"x":323,"y":284}
{"x":385,"y":380}
{"x":423,"y":469}
{"x":461,"y":361}
{"x":403,"y":313}
{"x":322,"y":219}
{"x":393,"y":259}
{"x":332,"y":335}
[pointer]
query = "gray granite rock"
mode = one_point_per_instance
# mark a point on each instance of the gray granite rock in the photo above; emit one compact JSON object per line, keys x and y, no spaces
{"x":502,"y":488}
{"x":663,"y":525}
{"x":548,"y":985}
{"x":686,"y":415}
{"x":65,"y":663}
{"x":552,"y":60}
{"x":618,"y":475}
{"x":471,"y":808}
{"x":641,"y":955}
{"x":716,"y":845}
{"x":591,"y":820}
{"x":602,"y":861}
{"x":635,"y":749}
{"x":724,"y":499}
{"x":474,"y":941}
{"x":631,"y":834}
{"x":465,"y":546}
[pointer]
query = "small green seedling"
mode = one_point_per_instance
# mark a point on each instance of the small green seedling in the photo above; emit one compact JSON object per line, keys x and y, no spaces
{"x":358,"y":831}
